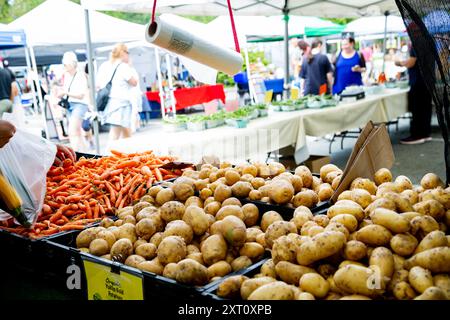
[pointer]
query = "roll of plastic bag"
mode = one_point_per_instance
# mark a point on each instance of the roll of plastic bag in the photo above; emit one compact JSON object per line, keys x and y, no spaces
{"x":174,"y":39}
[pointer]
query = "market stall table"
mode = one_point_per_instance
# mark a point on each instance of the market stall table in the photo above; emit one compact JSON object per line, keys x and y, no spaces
{"x":187,"y":97}
{"x":278,"y":130}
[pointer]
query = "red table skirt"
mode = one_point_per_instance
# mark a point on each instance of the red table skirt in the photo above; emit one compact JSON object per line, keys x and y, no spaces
{"x":187,"y":97}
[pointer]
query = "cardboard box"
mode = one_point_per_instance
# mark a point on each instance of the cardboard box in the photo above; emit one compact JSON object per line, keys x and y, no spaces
{"x":372,"y":151}
{"x":315,"y":162}
{"x":288,"y":162}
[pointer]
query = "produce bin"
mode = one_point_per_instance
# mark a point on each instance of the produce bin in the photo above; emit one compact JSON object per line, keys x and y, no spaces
{"x":63,"y":250}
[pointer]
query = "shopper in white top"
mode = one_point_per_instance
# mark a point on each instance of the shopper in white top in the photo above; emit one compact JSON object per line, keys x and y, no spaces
{"x":118,"y":111}
{"x":75,"y":87}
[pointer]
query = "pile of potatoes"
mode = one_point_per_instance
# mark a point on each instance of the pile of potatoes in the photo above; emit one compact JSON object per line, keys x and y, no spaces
{"x":382,"y":239}
{"x":269,"y":183}
{"x":173,"y":233}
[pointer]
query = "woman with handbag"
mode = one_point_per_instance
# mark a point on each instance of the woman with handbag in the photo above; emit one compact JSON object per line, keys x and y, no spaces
{"x":118,"y":74}
{"x":73,"y":99}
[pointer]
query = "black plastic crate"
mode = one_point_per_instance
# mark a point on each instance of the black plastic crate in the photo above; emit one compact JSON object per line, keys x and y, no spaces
{"x":63,"y":251}
{"x":210,"y":292}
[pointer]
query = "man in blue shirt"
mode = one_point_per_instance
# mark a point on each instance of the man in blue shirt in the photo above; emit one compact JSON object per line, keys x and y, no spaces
{"x":316,"y":71}
{"x":419,"y":103}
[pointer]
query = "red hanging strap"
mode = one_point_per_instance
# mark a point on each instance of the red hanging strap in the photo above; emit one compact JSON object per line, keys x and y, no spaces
{"x":233,"y":27}
{"x":154,"y":11}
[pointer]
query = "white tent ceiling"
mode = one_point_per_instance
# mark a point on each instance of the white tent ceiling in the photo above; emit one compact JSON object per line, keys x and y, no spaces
{"x":62,"y":22}
{"x":375,"y":25}
{"x":322,"y":8}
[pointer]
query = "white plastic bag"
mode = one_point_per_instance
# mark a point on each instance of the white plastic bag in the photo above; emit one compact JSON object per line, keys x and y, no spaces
{"x":24,"y":162}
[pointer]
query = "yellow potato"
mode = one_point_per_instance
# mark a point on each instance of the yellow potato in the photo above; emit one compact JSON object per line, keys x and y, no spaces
{"x":382,"y":175}
{"x":284,"y":249}
{"x":353,"y":279}
{"x":241,"y":263}
{"x":290,"y":272}
{"x":230,"y":210}
{"x":383,"y":260}
{"x":437,"y":260}
{"x":423,"y":225}
{"x":278,"y":229}
{"x":234,"y":231}
{"x":251,"y":214}
{"x":361,"y":197}
{"x":348,"y":220}
{"x":321,"y":246}
{"x":252,"y":250}
{"x":411,"y":195}
{"x":171,"y":249}
{"x":121,"y":249}
{"x":315,"y":284}
{"x":153,"y":266}
{"x":179,"y":228}
{"x":339,"y":227}
{"x":326,"y":169}
{"x":380,"y":203}
{"x":432,"y":240}
{"x":431,"y":181}
{"x":219,"y":269}
{"x":307,"y":198}
{"x":390,"y":219}
{"x":347,"y":262}
{"x":403,"y":244}
{"x":398,"y":276}
{"x":191,"y":272}
{"x":214,"y":249}
{"x":420,"y":279}
{"x":374,"y":235}
{"x":432,"y":293}
{"x":403,"y":183}
{"x":268,"y":269}
{"x":197,"y":219}
{"x":268,"y":218}
{"x":230,"y":288}
{"x":325,"y":192}
{"x":281,"y":191}
{"x":302,"y":215}
{"x":346,"y":206}
{"x":99,"y":247}
{"x":146,"y":250}
{"x":431,"y":208}
{"x":273,"y":291}
{"x":367,"y":184}
{"x":442,"y":281}
{"x":354,"y":250}
{"x":321,"y":219}
{"x":305,"y":174}
{"x":250,"y":285}
{"x":403,"y":291}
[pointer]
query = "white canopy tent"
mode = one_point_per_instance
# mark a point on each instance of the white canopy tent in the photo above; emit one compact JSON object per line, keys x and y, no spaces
{"x":322,"y":8}
{"x":375,"y":25}
{"x":64,"y":19}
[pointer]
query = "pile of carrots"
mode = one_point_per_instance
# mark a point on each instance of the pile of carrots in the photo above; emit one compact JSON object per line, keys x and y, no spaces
{"x":83,"y":192}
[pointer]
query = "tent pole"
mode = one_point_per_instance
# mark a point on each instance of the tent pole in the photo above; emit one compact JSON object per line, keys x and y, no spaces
{"x":286,"y":46}
{"x":386,"y":14}
{"x":169,"y":75}
{"x":27,"y":59}
{"x":38,"y":86}
{"x":90,"y":57}
{"x":160,"y":86}
{"x":250,"y":83}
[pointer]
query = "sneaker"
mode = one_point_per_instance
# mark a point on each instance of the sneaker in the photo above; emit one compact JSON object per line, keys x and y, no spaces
{"x":428,"y":139}
{"x":413,"y":140}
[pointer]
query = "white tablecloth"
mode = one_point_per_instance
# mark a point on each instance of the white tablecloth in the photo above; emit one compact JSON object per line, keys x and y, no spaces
{"x":278,"y":130}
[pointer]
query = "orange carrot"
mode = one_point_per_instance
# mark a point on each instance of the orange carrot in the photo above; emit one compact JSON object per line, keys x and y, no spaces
{"x":88,"y":210}
{"x":158,"y":174}
{"x":96,"y":211}
{"x":129,"y":163}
